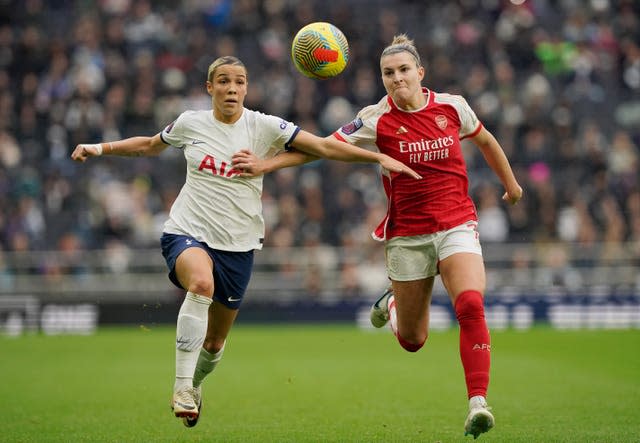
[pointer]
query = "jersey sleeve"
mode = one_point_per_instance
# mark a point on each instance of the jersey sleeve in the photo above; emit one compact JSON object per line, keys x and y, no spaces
{"x":173,"y":133}
{"x":277,"y":133}
{"x":361,"y":131}
{"x":469,"y":123}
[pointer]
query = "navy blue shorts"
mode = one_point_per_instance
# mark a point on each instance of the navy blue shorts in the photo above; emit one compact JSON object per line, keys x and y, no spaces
{"x":231,"y":270}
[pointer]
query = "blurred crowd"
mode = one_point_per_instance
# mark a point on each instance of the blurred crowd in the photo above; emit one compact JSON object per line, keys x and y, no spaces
{"x":557,"y":82}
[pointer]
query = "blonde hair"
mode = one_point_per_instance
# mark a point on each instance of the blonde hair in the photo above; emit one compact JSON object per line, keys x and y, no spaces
{"x":402,"y":43}
{"x":226,"y":60}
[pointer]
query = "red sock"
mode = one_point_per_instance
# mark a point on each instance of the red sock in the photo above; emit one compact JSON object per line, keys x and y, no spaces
{"x":475,"y":343}
{"x":411,"y":347}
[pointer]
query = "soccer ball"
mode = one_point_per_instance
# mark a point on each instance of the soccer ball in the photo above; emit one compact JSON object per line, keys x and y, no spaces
{"x":320,"y":50}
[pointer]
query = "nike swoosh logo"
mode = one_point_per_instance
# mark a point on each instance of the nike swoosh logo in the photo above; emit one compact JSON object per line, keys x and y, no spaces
{"x":233,"y":299}
{"x":196,"y":142}
{"x":377,"y":303}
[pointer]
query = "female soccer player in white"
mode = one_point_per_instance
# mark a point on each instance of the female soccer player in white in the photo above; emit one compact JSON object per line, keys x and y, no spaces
{"x":430,"y":226}
{"x":216,"y":222}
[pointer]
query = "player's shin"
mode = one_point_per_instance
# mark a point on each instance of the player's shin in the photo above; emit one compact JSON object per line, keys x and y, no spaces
{"x":475,"y":342}
{"x":206,"y":364}
{"x":393,"y":321}
{"x":190,"y":333}
{"x":393,"y":315}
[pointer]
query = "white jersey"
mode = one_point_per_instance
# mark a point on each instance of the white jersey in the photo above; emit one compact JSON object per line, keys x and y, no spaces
{"x":216,"y":206}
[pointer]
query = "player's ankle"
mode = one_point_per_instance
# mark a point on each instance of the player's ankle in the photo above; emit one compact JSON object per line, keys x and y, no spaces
{"x":477,"y":401}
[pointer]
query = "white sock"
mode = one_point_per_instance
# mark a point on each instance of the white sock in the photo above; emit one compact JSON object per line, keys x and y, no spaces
{"x":393,"y":316}
{"x":206,"y":364}
{"x":190,"y":332}
{"x":477,"y":401}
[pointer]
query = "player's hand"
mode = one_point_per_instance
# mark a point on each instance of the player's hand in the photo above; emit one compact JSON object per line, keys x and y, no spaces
{"x":83,"y":152}
{"x":247,"y":163}
{"x":513,"y":196}
{"x":394,"y":165}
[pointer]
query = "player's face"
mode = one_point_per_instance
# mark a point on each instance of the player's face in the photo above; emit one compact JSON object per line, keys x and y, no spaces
{"x":228,"y":88}
{"x":401,"y":77}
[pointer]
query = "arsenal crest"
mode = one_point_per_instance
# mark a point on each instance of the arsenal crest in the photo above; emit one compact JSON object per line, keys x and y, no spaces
{"x":441,"y":121}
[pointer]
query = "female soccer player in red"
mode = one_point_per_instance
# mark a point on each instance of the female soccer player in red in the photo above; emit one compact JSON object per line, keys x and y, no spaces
{"x":430,"y":226}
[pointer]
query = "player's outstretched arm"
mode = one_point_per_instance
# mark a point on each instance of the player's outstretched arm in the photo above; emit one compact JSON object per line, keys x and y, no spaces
{"x":497,"y":160}
{"x":129,"y":147}
{"x":334,"y":149}
{"x":252,"y":166}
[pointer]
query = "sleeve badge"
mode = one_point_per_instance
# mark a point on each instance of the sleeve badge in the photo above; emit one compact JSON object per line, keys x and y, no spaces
{"x":352,"y":127}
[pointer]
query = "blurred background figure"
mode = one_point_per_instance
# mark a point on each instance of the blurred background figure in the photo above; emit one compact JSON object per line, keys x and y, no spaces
{"x":558,"y":83}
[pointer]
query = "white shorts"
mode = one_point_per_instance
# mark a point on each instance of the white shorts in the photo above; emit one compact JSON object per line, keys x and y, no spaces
{"x":417,"y":257}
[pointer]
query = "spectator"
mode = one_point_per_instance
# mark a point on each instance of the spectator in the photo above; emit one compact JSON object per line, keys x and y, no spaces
{"x":557,"y":82}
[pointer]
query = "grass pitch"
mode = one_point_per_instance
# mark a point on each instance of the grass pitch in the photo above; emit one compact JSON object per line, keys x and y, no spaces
{"x":320,"y":384}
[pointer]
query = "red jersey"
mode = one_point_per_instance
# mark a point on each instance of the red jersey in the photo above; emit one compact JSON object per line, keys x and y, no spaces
{"x":427,"y":140}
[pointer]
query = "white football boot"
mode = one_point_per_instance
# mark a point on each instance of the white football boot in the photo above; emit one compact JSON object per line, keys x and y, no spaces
{"x":380,"y":310}
{"x":479,"y":420}
{"x":183,"y":403}
{"x":188,"y":421}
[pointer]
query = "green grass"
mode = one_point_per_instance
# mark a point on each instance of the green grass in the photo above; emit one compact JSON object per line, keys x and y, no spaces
{"x":320,"y":384}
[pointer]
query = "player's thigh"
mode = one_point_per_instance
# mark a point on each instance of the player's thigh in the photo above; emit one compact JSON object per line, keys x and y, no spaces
{"x":194,"y":271}
{"x":221,"y":319}
{"x":463,"y":271}
{"x":412,"y":304}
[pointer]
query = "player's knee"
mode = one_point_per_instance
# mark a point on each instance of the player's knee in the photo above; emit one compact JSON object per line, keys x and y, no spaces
{"x":213,"y":345}
{"x":469,"y":305}
{"x":412,"y":344}
{"x":201,"y":285}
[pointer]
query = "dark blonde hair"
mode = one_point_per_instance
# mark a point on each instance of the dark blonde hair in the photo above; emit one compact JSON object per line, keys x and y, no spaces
{"x":226,"y":60}
{"x":402,"y":43}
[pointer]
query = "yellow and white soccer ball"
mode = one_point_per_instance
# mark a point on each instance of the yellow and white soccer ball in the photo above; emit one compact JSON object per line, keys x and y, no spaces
{"x":320,"y":50}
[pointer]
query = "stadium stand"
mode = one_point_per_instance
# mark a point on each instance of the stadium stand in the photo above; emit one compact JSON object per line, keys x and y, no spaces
{"x":557,"y":81}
